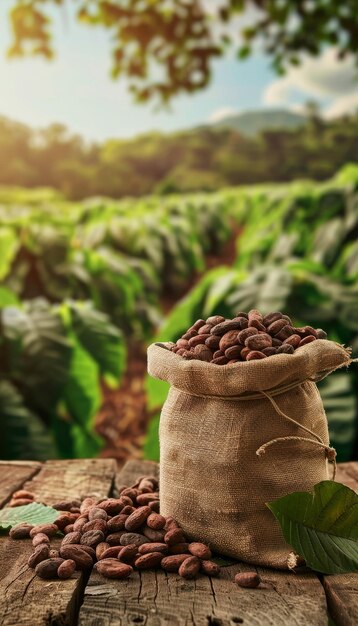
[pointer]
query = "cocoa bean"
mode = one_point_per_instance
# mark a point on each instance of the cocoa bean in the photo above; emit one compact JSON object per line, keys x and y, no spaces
{"x":276,"y":326}
{"x":135,"y":538}
{"x":116,"y":523}
{"x":136,"y":519}
{"x":66,"y":569}
{"x":198,"y":340}
{"x":210,"y":568}
{"x":213,"y":342}
{"x":237,"y":323}
{"x":19,"y":502}
{"x":48,"y":569}
{"x":271,"y":317}
{"x":221,"y":360}
{"x":173,"y":536}
{"x":258,"y":342}
{"x":156,"y":521}
{"x":215,"y":319}
{"x":110,"y":553}
{"x":100,"y":548}
{"x":112,"y":506}
{"x":205,"y":330}
{"x":97,"y":513}
{"x":92,"y":538}
{"x":293,"y":340}
{"x":144,"y":498}
{"x":286,"y":348}
{"x":40,"y":553}
{"x":128,"y":553}
{"x":233,"y":352}
{"x":21,"y":531}
{"x":178,"y":548}
{"x":22,"y":493}
{"x":255,"y":355}
{"x":247,"y":579}
{"x":190,"y":567}
{"x":40,"y":538}
{"x":74,"y":537}
{"x":200,"y":550}
{"x":66,"y":505}
{"x":146,"y":548}
{"x":172,"y":563}
{"x":148,"y":561}
{"x":203,"y":353}
{"x":112,"y":568}
{"x":76,"y":552}
{"x":306,"y":340}
{"x":114,"y":539}
{"x":47,"y":529}
{"x":228,"y":340}
{"x":198,"y":324}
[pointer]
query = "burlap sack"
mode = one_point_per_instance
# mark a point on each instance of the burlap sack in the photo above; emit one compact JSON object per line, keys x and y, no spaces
{"x":216,"y":474}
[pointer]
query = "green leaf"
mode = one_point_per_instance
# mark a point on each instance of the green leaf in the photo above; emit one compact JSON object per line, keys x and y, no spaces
{"x":8,"y":248}
{"x":22,"y":433}
{"x":321,"y":526}
{"x":34,"y":513}
{"x":101,"y":339}
{"x":81,"y":393}
{"x":8,"y":298}
{"x":151,"y":445}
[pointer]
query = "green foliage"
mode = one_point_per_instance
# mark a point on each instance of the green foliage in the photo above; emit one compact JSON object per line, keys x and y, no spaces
{"x":322,"y":527}
{"x":34,"y":513}
{"x":165,"y":48}
{"x":122,"y":256}
{"x":51,"y":360}
{"x":205,"y":159}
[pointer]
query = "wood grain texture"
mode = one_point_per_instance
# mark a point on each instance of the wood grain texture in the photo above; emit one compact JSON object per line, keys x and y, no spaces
{"x":158,"y":599}
{"x":25,"y":599}
{"x":13,"y":475}
{"x":342,"y":590}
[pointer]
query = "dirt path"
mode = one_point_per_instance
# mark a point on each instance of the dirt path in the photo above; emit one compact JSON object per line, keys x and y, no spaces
{"x":123,"y":418}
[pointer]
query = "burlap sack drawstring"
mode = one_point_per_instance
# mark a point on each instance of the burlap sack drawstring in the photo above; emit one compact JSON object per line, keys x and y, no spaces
{"x":330,"y":452}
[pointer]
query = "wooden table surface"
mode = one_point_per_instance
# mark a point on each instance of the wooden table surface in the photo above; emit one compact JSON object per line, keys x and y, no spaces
{"x":154,"y":598}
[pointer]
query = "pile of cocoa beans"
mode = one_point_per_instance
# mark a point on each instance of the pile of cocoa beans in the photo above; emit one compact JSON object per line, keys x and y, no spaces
{"x":246,"y":337}
{"x":115,"y":535}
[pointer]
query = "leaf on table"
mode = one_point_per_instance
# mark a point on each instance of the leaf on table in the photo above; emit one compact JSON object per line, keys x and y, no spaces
{"x":321,"y":526}
{"x":34,"y":513}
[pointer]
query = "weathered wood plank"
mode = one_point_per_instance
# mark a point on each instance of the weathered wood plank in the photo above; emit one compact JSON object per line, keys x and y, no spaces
{"x":342,"y":590}
{"x":13,"y":475}
{"x":158,"y":599}
{"x":25,"y":599}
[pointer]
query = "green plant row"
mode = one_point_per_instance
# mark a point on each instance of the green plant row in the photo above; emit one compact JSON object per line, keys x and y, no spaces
{"x":120,"y":255}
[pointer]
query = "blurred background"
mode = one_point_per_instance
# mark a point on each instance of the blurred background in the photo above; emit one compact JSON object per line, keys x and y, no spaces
{"x":162,"y":161}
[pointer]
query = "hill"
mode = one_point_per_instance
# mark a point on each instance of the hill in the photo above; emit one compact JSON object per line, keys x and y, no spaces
{"x":251,"y":123}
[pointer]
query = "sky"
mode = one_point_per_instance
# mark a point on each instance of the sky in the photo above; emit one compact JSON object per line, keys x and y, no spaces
{"x":76,"y":89}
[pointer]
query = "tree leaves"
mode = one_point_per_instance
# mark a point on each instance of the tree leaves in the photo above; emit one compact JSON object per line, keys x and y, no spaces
{"x":34,"y":513}
{"x":179,"y":41}
{"x":322,"y":527}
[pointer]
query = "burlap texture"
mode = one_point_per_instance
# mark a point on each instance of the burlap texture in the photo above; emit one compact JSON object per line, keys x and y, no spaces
{"x":211,"y":479}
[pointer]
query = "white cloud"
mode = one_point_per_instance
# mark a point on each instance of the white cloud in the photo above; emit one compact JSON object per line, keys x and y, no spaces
{"x":324,"y":77}
{"x":221,"y":114}
{"x":340,"y":106}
